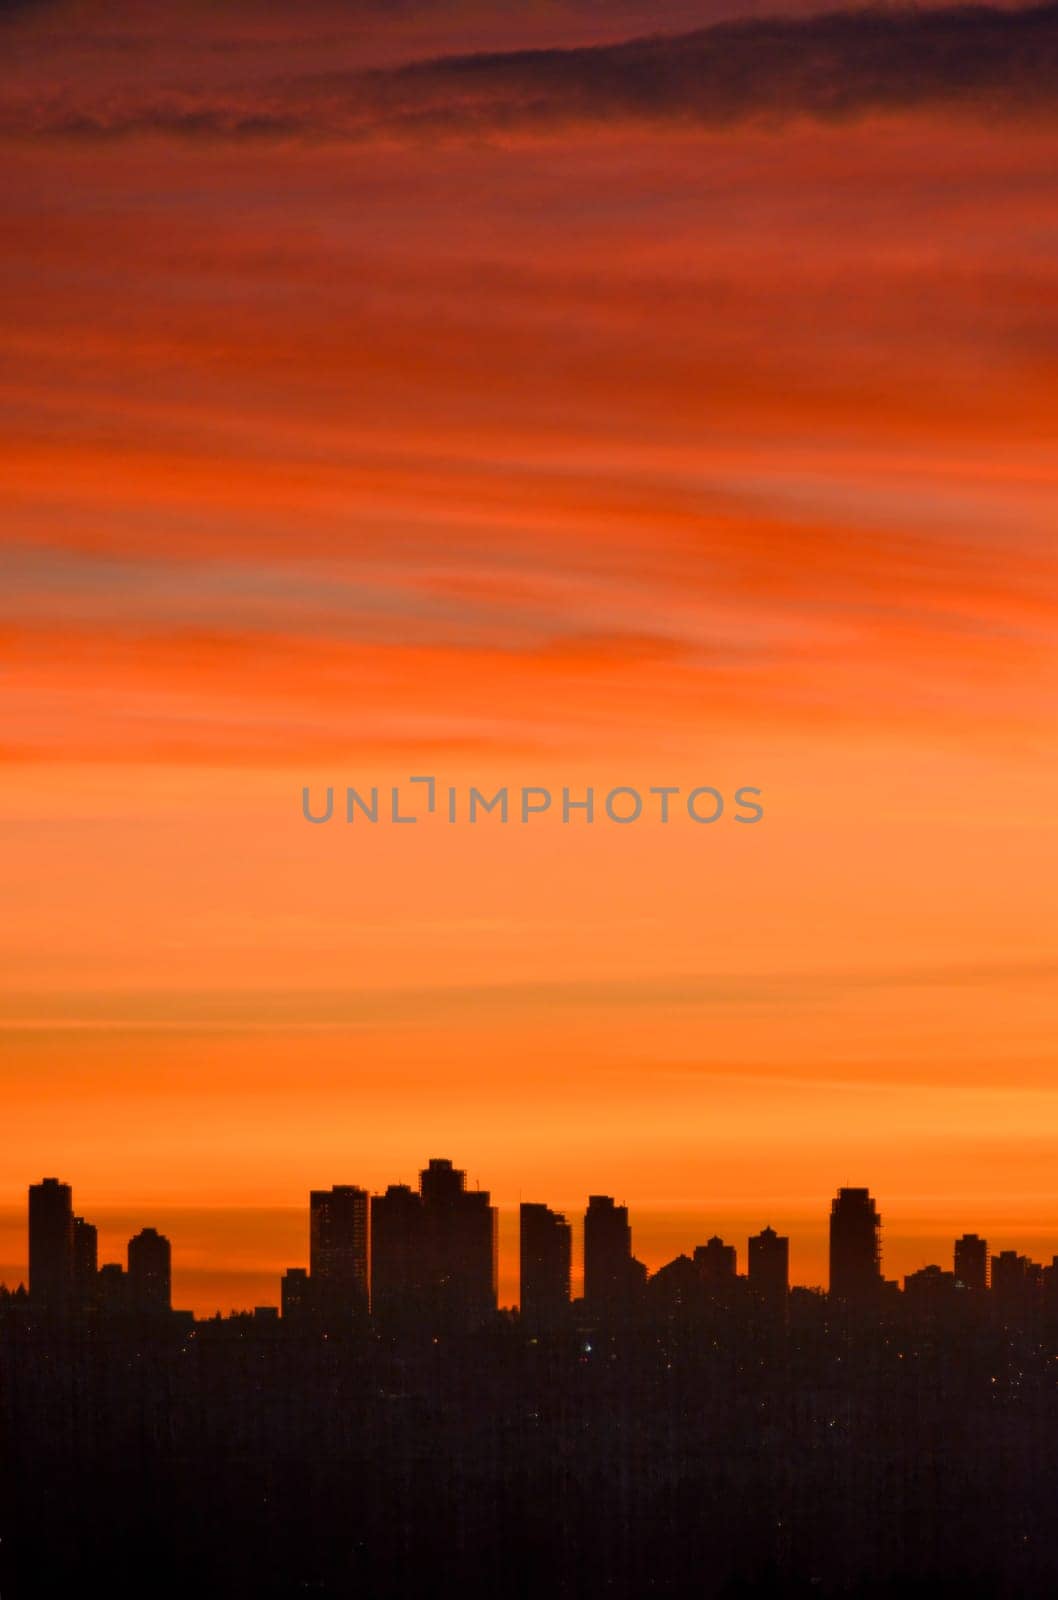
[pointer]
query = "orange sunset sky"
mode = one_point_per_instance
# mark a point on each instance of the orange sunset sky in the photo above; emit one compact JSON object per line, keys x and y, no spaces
{"x":493,"y":392}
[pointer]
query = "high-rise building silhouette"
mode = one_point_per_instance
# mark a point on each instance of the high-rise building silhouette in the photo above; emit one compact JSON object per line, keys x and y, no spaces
{"x":85,"y":1261}
{"x":338,"y":1251}
{"x":769,"y":1266}
{"x":51,"y":1245}
{"x":1016,"y":1283}
{"x":611,"y":1273}
{"x":545,"y":1253}
{"x":398,"y":1255}
{"x":150,"y":1271}
{"x":676,"y":1289}
{"x":112,"y":1288}
{"x":459,"y":1238}
{"x":855,"y":1247}
{"x":971,"y":1262}
{"x":295,"y":1295}
{"x":717,"y":1262}
{"x":1049,"y":1284}
{"x":930,"y":1290}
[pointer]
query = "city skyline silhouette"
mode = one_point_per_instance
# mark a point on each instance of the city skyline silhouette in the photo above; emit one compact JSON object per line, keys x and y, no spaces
{"x":368,"y":1252}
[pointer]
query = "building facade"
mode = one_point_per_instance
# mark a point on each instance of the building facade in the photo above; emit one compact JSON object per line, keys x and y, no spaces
{"x":150,"y":1272}
{"x":545,"y":1259}
{"x":51,"y":1245}
{"x":855,"y":1247}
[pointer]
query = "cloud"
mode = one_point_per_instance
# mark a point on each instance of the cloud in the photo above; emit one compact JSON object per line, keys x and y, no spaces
{"x":835,"y":66}
{"x":317,"y":1010}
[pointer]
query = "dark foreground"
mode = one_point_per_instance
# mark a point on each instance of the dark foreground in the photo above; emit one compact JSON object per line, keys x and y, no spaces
{"x":732,"y":1453}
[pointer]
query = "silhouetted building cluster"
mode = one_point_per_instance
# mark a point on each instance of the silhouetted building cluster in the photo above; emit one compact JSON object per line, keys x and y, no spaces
{"x":425,"y":1258}
{"x":64,"y":1275}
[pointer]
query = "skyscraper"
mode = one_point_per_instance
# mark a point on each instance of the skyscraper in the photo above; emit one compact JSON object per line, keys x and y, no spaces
{"x":295,"y":1296}
{"x":717,"y":1262}
{"x":112,"y":1289}
{"x":459,"y":1246}
{"x":611,"y":1273}
{"x":769,"y":1266}
{"x":1016,"y":1284}
{"x":51,"y":1236}
{"x":150,"y":1271}
{"x":971,"y":1262}
{"x":398,"y":1255}
{"x":338,"y":1252}
{"x":546,"y":1245}
{"x":85,"y":1261}
{"x":855,"y":1248}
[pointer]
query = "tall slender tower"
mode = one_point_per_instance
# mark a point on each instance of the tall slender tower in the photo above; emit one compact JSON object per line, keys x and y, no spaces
{"x":459,"y":1246}
{"x":295,"y":1297}
{"x":971,"y":1262}
{"x":150,"y":1271}
{"x":717,"y":1262}
{"x":398,"y":1256}
{"x":769,"y":1266}
{"x":51,"y":1247}
{"x":85,"y":1261}
{"x":855,"y":1247}
{"x":609,"y":1273}
{"x":338,"y":1252}
{"x":545,"y":1240}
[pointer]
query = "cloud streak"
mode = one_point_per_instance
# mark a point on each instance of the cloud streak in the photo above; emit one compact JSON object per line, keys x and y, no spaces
{"x":837,"y":66}
{"x":314,"y":1010}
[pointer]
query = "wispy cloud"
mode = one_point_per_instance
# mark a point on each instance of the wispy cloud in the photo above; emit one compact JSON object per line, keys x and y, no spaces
{"x":314,"y":1011}
{"x":839,"y":65}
